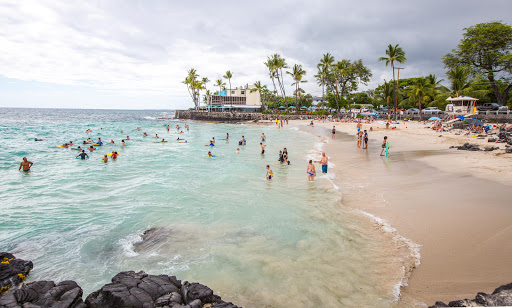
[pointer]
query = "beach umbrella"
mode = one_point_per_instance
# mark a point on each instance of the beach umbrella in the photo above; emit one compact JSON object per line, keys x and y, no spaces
{"x":281,"y":107}
{"x":291,"y":107}
{"x":460,"y":117}
{"x":434,"y":119}
{"x":474,"y":122}
{"x":303,"y":107}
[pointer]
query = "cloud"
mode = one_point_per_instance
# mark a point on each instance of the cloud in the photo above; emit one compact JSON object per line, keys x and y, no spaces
{"x":145,"y":48}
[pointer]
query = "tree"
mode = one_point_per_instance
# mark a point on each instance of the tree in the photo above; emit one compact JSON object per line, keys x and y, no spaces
{"x":421,"y":91}
{"x":385,"y":92}
{"x":219,"y":83}
{"x":228,"y":76}
{"x":275,"y":65}
{"x":207,"y":94}
{"x":345,"y":76}
{"x":486,"y":48}
{"x":297,"y":74}
{"x":194,"y":85}
{"x":394,"y":53}
{"x":323,"y":70}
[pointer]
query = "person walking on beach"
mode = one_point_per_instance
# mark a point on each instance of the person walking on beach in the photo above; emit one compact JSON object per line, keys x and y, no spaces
{"x":365,"y":139}
{"x":323,"y":162}
{"x":25,"y":164}
{"x":359,"y":139}
{"x":311,"y":171}
{"x":333,"y":132}
{"x":270,"y":174}
{"x":384,"y":146}
{"x":262,"y":148}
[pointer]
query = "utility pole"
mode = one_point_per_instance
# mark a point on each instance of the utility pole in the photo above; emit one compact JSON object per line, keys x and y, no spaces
{"x":396,"y":91}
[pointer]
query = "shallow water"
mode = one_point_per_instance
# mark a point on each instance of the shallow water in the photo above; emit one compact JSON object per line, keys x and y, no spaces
{"x":257,"y":243}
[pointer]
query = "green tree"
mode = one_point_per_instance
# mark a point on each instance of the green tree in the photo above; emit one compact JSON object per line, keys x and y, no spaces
{"x":219,"y":83}
{"x":345,"y":77}
{"x":275,"y":65}
{"x":385,"y":92}
{"x":228,"y":76}
{"x":194,"y":85}
{"x":297,"y":74}
{"x":394,"y":53}
{"x":486,"y":48}
{"x":421,"y":91}
{"x":323,"y":70}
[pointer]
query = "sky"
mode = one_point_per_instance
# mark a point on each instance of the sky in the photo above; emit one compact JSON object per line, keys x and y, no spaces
{"x":135,"y":54}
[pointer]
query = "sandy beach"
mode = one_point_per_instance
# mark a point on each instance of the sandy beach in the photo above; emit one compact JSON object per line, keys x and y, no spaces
{"x":454,"y":204}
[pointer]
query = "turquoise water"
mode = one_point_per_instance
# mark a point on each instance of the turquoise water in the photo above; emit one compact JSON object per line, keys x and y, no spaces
{"x":258,"y":243}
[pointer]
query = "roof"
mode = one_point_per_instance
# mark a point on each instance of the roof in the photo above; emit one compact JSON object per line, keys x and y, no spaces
{"x":461,"y":98}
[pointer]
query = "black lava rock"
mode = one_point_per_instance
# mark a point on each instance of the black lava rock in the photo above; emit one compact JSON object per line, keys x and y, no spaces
{"x":12,"y":271}
{"x":502,"y":296}
{"x":66,"y":294}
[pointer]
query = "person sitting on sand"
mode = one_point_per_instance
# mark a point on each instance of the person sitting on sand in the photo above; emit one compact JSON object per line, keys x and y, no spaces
{"x":91,"y":148}
{"x":105,"y":158}
{"x":111,"y":141}
{"x":310,"y":170}
{"x":270,"y":174}
{"x":311,"y":123}
{"x":25,"y":164}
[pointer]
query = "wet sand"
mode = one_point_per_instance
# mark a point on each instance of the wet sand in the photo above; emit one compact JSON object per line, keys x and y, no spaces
{"x":455,"y":204}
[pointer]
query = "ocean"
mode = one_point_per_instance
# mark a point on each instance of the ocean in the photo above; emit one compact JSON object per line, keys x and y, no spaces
{"x":215,"y":220}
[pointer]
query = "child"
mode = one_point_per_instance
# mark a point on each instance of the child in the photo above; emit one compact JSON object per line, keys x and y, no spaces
{"x":270,"y":174}
{"x":384,"y":146}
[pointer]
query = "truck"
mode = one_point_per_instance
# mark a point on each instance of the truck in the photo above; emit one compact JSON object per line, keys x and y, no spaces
{"x":491,"y":107}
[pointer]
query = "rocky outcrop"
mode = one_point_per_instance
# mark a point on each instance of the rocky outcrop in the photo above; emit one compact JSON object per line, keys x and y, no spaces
{"x":131,"y":289}
{"x":128,"y":289}
{"x":502,"y":296}
{"x":12,"y":271}
{"x":232,"y":116}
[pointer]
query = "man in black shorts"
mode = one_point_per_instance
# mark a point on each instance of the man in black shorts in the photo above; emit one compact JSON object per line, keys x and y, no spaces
{"x":365,"y":138}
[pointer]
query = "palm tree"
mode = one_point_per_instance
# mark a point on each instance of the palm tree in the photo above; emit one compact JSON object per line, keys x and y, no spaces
{"x":421,"y":90}
{"x":297,"y":73}
{"x":323,"y":70}
{"x":321,"y":77}
{"x":460,"y":79}
{"x":276,"y":64}
{"x":387,"y":91}
{"x":394,"y":53}
{"x":228,"y":76}
{"x":219,"y":83}
{"x":193,"y":86}
{"x":259,"y":88}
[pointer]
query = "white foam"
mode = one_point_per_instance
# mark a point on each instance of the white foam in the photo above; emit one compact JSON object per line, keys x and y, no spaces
{"x":128,"y":244}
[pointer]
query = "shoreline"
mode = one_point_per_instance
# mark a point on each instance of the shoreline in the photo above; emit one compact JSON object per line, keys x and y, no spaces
{"x":454,"y":265}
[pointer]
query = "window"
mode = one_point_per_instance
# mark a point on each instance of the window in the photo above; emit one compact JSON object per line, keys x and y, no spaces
{"x":243,"y":92}
{"x":232,"y":92}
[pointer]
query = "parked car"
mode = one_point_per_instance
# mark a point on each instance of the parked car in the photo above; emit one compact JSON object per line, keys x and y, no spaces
{"x":412,"y":111}
{"x":432,"y":110}
{"x":491,"y":107}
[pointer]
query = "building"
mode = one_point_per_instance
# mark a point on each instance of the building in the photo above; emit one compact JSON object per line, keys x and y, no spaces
{"x":239,"y":99}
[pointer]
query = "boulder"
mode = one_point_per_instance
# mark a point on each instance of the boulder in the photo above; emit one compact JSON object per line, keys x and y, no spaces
{"x":502,"y":296}
{"x":66,"y":294}
{"x":12,"y":271}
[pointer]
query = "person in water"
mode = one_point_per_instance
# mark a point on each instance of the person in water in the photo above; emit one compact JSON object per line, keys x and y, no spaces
{"x":156,"y":136}
{"x":211,"y":144}
{"x":310,"y":170}
{"x":365,"y":139}
{"x":163,"y":140}
{"x":114,"y":155}
{"x":144,"y":135}
{"x":36,"y":139}
{"x":243,"y":141}
{"x":270,"y":174}
{"x":210,"y":154}
{"x":167,"y":128}
{"x":105,"y":158}
{"x":89,"y":140}
{"x":285,"y":156}
{"x":79,"y":148}
{"x":262,"y":148}
{"x":122,"y":142}
{"x":71,"y":143}
{"x":91,"y":148}
{"x":333,"y":132}
{"x":111,"y":141}
{"x":227,"y":136}
{"x":281,"y":158}
{"x":99,"y":141}
{"x":82,"y":155}
{"x":127,"y":138}
{"x":263,"y":137}
{"x":25,"y":164}
{"x":237,"y":151}
{"x":323,"y":162}
{"x":213,"y":139}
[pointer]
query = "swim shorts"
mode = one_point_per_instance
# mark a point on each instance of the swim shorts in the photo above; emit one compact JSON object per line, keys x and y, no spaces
{"x":324,"y":168}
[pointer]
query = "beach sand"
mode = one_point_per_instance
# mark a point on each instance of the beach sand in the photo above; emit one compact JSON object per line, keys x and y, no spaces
{"x":455,"y":204}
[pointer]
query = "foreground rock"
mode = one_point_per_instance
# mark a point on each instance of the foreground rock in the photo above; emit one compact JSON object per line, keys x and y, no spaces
{"x":502,"y":296}
{"x":12,"y":271}
{"x":66,"y":294}
{"x":130,"y":289}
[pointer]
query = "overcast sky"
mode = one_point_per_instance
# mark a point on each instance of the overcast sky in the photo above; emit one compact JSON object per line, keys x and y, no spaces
{"x":134,"y":54}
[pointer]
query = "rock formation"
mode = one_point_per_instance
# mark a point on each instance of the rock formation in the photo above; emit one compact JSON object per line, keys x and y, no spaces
{"x":502,"y":296}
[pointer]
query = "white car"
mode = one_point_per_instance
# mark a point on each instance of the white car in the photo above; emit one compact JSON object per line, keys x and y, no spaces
{"x":432,"y":110}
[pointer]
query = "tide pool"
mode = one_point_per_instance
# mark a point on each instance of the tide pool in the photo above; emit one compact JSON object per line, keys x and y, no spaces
{"x":258,"y":243}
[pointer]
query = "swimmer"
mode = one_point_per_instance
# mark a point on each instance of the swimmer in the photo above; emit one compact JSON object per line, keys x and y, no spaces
{"x":105,"y":158}
{"x":82,"y":155}
{"x":144,"y":135}
{"x":270,"y":174}
{"x":138,"y":128}
{"x":89,"y":140}
{"x":88,"y":131}
{"x":163,"y":140}
{"x":227,"y":135}
{"x":311,"y":171}
{"x":91,"y":148}
{"x":179,"y":139}
{"x":111,"y":141}
{"x":237,"y":151}
{"x":262,"y":148}
{"x":71,"y":143}
{"x":213,"y":139}
{"x":156,"y":136}
{"x":35,"y":139}
{"x":114,"y":155}
{"x":65,"y":145}
{"x":181,"y":132}
{"x":79,"y":148}
{"x":122,"y":142}
{"x":210,"y":154}
{"x":210,"y":145}
{"x":263,"y":137}
{"x":99,"y":141}
{"x":25,"y":164}
{"x":127,"y":138}
{"x":121,"y":132}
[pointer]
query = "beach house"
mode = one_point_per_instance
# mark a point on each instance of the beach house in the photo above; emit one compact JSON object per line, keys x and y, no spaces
{"x":238,"y":99}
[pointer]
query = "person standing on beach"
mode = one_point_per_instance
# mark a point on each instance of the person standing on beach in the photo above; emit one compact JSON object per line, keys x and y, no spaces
{"x":25,"y":164}
{"x":270,"y":174}
{"x":359,"y":139}
{"x":384,"y":146}
{"x":323,"y":162}
{"x":333,"y":132}
{"x":365,"y":139}
{"x":359,"y":126}
{"x":262,"y":148}
{"x":311,"y":171}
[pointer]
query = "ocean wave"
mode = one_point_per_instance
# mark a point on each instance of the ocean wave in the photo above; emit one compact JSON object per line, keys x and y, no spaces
{"x":128,"y":244}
